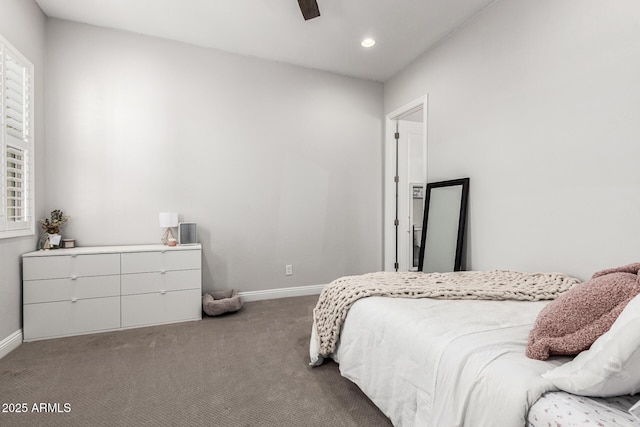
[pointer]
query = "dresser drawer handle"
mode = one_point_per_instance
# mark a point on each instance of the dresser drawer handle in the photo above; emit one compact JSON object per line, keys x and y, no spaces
{"x":162,"y":292}
{"x":74,"y":299}
{"x":74,"y":255}
{"x":74,"y":277}
{"x":163,"y":271}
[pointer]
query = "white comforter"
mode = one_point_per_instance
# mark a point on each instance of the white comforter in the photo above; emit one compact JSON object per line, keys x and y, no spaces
{"x":427,"y":362}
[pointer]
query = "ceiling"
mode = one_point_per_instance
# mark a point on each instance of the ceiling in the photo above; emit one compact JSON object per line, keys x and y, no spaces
{"x":275,"y":29}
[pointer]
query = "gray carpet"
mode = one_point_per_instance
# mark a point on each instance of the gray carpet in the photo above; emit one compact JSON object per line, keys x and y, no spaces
{"x":243,"y":369}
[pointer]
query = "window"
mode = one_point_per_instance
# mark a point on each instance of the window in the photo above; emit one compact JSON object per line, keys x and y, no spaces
{"x":16,"y":143}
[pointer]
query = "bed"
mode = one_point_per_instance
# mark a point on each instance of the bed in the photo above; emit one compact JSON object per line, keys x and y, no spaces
{"x":458,"y":362}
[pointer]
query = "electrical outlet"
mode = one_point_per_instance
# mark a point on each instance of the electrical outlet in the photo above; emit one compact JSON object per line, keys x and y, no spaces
{"x":288,"y":270}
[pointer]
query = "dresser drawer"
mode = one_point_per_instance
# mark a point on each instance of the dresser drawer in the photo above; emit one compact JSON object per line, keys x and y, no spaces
{"x":157,"y":308}
{"x":60,"y":266}
{"x":143,"y":283}
{"x":56,"y":319}
{"x":145,"y":262}
{"x":36,"y":291}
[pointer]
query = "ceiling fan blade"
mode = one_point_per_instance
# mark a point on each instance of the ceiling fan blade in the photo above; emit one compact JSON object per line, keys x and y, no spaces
{"x":309,"y":9}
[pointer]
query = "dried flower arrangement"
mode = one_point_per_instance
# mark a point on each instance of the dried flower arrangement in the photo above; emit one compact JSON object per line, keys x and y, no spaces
{"x":53,"y":225}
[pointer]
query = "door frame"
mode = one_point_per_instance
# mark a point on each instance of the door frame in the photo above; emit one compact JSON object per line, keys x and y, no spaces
{"x":390,"y":169}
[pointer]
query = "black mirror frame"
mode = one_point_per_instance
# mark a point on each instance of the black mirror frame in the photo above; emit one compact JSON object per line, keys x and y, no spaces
{"x":462,"y":220}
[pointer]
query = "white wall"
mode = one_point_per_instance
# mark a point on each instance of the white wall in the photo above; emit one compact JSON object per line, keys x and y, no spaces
{"x":22,"y":23}
{"x":539,"y":103}
{"x":276,"y":164}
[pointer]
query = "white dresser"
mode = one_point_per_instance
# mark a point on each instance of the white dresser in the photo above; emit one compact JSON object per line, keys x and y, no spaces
{"x":92,"y":289}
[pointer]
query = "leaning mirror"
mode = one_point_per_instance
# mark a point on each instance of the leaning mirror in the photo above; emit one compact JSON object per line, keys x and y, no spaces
{"x":416,"y":211}
{"x":445,"y":216}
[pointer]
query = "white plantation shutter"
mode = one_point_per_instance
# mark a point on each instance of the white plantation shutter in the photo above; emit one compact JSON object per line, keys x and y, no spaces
{"x":16,"y":98}
{"x":16,"y":107}
{"x":15,"y":184}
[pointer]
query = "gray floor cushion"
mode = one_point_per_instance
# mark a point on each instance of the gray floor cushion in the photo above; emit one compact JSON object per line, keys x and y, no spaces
{"x":219,"y":302}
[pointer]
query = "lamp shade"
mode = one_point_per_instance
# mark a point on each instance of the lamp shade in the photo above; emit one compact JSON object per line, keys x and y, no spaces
{"x":168,"y":219}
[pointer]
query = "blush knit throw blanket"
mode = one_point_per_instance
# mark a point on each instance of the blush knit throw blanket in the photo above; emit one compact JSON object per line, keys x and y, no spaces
{"x":338,"y":296}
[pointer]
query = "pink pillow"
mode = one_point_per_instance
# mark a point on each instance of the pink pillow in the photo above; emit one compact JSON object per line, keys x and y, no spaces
{"x":571,"y":323}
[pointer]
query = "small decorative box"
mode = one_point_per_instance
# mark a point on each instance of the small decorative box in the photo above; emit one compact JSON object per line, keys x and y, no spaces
{"x":68,"y":243}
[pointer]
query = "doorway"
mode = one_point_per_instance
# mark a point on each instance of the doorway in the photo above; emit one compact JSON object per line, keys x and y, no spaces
{"x":405,"y":181}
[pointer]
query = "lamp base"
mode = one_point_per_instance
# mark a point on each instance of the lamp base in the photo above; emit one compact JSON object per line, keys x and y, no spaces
{"x":168,"y":238}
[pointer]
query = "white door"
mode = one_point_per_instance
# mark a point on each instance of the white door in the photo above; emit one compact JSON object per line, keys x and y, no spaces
{"x":410,"y":173}
{"x":410,"y":123}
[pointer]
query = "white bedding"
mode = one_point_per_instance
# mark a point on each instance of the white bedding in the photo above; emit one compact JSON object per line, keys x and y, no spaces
{"x":454,"y":362}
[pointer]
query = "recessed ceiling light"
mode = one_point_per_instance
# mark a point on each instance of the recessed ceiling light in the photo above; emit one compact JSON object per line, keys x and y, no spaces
{"x":368,"y":42}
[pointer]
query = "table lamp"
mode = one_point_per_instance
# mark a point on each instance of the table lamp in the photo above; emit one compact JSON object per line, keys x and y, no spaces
{"x":168,"y":220}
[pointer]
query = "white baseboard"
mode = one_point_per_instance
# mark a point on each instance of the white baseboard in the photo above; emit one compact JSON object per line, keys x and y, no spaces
{"x":10,"y":343}
{"x":297,"y":291}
